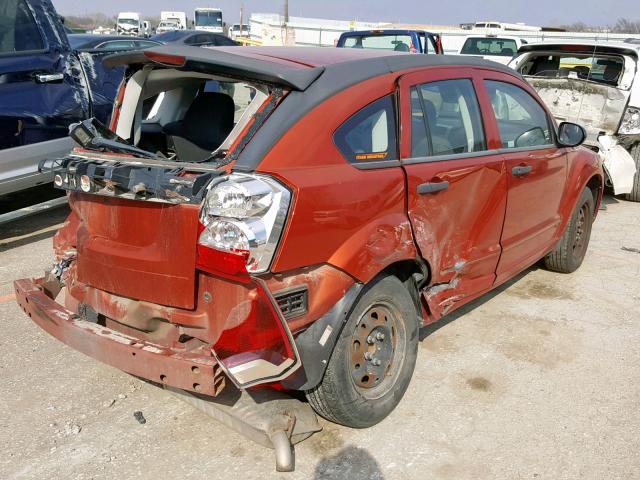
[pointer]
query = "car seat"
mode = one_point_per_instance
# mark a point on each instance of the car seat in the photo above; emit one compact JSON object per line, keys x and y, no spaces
{"x":208,"y":121}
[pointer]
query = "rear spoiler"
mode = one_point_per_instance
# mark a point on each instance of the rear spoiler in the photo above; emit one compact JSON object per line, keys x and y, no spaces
{"x":578,"y":48}
{"x":222,"y":61}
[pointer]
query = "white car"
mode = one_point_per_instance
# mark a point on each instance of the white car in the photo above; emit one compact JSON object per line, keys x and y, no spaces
{"x":500,"y":49}
{"x":594,"y":84}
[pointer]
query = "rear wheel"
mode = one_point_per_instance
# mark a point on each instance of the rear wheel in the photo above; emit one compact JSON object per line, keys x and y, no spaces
{"x":570,"y":252}
{"x":373,"y":360}
{"x":634,"y":196}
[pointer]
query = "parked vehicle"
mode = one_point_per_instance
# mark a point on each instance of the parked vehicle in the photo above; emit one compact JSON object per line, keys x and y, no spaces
{"x":209,"y":20}
{"x":237,"y":30}
{"x":490,"y":47}
{"x":195,"y":38}
{"x":597,"y":86}
{"x":111,"y":43}
{"x":301,"y":238}
{"x":131,"y":24}
{"x":172,"y":21}
{"x":405,"y":41}
{"x":44,"y":88}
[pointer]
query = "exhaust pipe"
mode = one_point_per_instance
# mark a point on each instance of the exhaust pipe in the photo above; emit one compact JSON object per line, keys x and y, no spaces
{"x":268,"y":417}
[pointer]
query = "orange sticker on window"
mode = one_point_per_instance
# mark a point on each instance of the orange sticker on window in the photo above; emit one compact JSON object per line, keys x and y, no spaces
{"x":372,"y":156}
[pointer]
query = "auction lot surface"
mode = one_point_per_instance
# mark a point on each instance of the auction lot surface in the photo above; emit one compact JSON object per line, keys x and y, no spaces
{"x":540,"y":379}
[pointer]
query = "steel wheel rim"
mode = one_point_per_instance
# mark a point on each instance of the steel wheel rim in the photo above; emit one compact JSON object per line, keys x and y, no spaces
{"x":581,"y":230}
{"x":376,"y":353}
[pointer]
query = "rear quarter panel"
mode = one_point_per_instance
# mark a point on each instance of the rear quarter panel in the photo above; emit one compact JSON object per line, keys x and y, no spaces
{"x":352,"y":219}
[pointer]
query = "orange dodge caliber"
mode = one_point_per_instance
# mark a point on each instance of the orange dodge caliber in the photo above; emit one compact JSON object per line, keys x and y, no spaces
{"x":290,"y":217}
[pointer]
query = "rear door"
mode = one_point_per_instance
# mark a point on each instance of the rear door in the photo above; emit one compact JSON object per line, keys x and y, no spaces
{"x":40,"y":91}
{"x":456,"y":182}
{"x":536,"y":171}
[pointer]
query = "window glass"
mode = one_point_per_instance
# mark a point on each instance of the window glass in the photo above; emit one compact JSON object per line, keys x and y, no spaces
{"x":396,"y":43}
{"x":145,"y":44}
{"x":521,"y":119}
{"x":501,"y":47}
{"x":607,"y":69}
{"x":18,"y":29}
{"x":419,"y":139}
{"x":454,"y":122}
{"x":117,"y":45}
{"x":370,"y":134}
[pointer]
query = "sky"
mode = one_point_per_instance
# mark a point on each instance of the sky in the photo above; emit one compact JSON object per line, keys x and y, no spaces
{"x":532,"y":12}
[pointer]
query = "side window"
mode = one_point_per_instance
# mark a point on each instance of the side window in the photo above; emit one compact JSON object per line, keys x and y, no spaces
{"x":370,"y":134}
{"x":18,"y":30}
{"x":116,"y":45}
{"x":419,"y":139}
{"x":453,"y":119}
{"x":521,"y":119}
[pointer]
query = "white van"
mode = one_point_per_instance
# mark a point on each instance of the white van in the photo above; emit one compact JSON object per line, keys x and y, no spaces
{"x":500,"y":49}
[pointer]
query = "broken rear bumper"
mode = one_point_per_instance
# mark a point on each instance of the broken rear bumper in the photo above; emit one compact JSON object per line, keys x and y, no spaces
{"x":195,"y":370}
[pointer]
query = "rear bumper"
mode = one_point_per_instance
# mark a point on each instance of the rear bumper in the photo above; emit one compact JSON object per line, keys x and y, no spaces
{"x":194,"y":370}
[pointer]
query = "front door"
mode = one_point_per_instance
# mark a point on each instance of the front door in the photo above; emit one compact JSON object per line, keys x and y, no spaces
{"x":536,"y":171}
{"x":456,"y":180}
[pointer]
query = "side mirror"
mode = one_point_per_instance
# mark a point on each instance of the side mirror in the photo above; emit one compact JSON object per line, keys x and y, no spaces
{"x":571,"y":134}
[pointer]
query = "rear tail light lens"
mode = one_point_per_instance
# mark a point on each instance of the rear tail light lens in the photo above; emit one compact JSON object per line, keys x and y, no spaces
{"x":256,"y":346}
{"x":243,"y":215}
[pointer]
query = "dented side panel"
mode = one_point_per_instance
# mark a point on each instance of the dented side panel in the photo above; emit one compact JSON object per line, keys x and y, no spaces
{"x":597,"y":107}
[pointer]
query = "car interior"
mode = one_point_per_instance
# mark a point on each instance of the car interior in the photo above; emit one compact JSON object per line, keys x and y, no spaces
{"x":187,"y":116}
{"x":605,"y":69}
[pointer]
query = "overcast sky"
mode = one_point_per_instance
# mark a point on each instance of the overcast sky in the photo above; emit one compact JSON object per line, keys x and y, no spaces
{"x":533,"y":12}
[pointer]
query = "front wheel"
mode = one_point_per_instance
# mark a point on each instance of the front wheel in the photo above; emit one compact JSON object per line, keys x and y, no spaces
{"x":373,"y":359}
{"x":634,"y":196}
{"x":570,"y":252}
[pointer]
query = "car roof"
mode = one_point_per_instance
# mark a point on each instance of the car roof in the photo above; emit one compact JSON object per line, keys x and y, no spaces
{"x":86,"y":38}
{"x":382,"y":31}
{"x":501,"y":37}
{"x":295,"y":67}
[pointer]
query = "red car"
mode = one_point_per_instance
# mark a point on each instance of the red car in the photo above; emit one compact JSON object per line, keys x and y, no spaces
{"x":290,"y":217}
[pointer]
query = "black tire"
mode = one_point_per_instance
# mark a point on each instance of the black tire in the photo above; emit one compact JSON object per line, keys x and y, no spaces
{"x":570,"y":252}
{"x":634,"y":196}
{"x":361,"y":397}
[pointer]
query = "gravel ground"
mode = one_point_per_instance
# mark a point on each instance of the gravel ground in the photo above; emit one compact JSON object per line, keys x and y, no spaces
{"x":539,"y":379}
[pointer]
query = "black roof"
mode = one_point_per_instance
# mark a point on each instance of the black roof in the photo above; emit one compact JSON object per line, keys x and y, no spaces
{"x":297,"y":67}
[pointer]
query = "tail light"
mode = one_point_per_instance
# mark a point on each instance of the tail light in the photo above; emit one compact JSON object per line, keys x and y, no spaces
{"x":241,"y":222}
{"x":242,"y":217}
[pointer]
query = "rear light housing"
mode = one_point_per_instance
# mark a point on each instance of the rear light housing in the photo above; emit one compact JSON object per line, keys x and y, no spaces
{"x":241,"y":221}
{"x":242,"y":215}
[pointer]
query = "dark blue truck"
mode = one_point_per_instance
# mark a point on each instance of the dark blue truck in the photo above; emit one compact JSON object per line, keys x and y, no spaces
{"x":407,"y":41}
{"x":44,"y":87}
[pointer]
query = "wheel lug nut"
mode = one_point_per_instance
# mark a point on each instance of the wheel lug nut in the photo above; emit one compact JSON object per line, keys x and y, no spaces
{"x":380,"y":336}
{"x":376,"y":362}
{"x":370,"y":340}
{"x":367,"y":356}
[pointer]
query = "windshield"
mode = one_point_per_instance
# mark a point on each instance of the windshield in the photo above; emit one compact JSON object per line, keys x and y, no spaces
{"x":606,"y":69}
{"x":168,"y":23}
{"x":127,"y":21}
{"x":396,"y":43}
{"x":209,"y":19}
{"x":501,"y":47}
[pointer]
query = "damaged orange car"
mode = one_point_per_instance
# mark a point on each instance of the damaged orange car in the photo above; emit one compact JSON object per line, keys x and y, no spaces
{"x":290,"y":217}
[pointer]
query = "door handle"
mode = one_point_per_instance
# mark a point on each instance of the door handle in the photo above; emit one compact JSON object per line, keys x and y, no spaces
{"x":521,"y":170}
{"x":49,"y":77}
{"x":432,"y":187}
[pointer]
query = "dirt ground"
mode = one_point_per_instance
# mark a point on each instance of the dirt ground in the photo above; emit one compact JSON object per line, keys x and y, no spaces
{"x":537,"y":380}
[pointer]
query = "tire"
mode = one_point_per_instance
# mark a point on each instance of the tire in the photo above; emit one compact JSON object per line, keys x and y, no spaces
{"x":634,"y":196}
{"x":570,"y":252}
{"x":357,"y":392}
